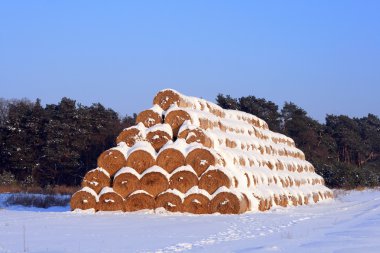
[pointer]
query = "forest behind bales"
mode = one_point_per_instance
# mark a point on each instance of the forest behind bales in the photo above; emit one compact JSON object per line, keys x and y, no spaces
{"x":57,"y":144}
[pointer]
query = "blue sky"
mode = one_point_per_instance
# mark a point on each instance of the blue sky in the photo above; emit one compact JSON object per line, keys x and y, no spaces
{"x":322,"y":55}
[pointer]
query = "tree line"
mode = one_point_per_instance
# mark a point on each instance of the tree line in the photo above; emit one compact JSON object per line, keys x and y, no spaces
{"x":57,"y":144}
{"x":54,"y":144}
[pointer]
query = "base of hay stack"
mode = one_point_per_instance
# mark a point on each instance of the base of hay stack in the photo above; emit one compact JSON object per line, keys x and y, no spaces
{"x":96,"y":179}
{"x":170,"y":200}
{"x":183,"y":179}
{"x":126,"y":181}
{"x":170,"y":159}
{"x":112,"y":160}
{"x":110,"y":201}
{"x":150,"y":117}
{"x":84,"y":199}
{"x":229,"y":203}
{"x":139,"y":200}
{"x":200,"y":159}
{"x":212,"y":180}
{"x":154,"y":181}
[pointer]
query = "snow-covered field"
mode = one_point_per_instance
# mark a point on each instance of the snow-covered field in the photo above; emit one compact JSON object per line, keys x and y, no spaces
{"x":350,"y":223}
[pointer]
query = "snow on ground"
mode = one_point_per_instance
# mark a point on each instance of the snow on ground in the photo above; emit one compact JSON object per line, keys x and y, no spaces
{"x":350,"y":223}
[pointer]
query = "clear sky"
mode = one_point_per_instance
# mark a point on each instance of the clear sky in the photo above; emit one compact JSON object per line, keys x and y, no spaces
{"x":322,"y":55}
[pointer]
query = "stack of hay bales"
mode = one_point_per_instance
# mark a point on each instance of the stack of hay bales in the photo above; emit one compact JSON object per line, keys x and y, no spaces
{"x":189,"y":155}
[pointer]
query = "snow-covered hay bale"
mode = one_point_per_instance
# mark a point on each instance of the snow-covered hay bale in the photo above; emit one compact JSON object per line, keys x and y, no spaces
{"x":109,"y":200}
{"x":159,"y":135}
{"x":196,"y":135}
{"x":150,"y":117}
{"x":265,"y":204}
{"x":171,"y":200}
{"x":175,"y":118}
{"x":141,"y":156}
{"x":172,"y":156}
{"x":166,"y":98}
{"x":96,"y":179}
{"x":212,"y":180}
{"x":197,"y":201}
{"x":139,"y":200}
{"x":183,"y":179}
{"x":126,"y":181}
{"x":200,"y":159}
{"x":229,"y":202}
{"x":84,"y":199}
{"x":282,"y":200}
{"x":131,"y":135}
{"x":112,"y":160}
{"x":154,"y":180}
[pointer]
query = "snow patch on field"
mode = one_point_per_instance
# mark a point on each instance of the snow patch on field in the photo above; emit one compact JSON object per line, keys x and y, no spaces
{"x":350,"y":223}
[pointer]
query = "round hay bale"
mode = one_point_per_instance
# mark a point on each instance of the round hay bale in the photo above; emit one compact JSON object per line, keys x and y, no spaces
{"x":170,"y":200}
{"x":200,"y":159}
{"x":96,"y":179}
{"x":281,"y":200}
{"x":139,"y":200}
{"x":159,"y":135}
{"x":109,"y":200}
{"x":196,"y":203}
{"x":170,"y":159}
{"x":84,"y":199}
{"x":183,"y":179}
{"x":212,"y":180}
{"x":315,"y":197}
{"x":228,"y":203}
{"x":126,"y":181}
{"x":175,"y":119}
{"x":112,"y":160}
{"x":166,"y":98}
{"x":150,"y":117}
{"x":131,"y":135}
{"x":196,"y":135}
{"x":154,"y":181}
{"x":265,"y":204}
{"x":141,"y":156}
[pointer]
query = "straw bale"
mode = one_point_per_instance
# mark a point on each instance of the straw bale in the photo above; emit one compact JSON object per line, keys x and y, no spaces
{"x":228,"y":203}
{"x":196,"y":203}
{"x":139,"y":200}
{"x":112,"y":160}
{"x":170,"y":201}
{"x":83,"y":200}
